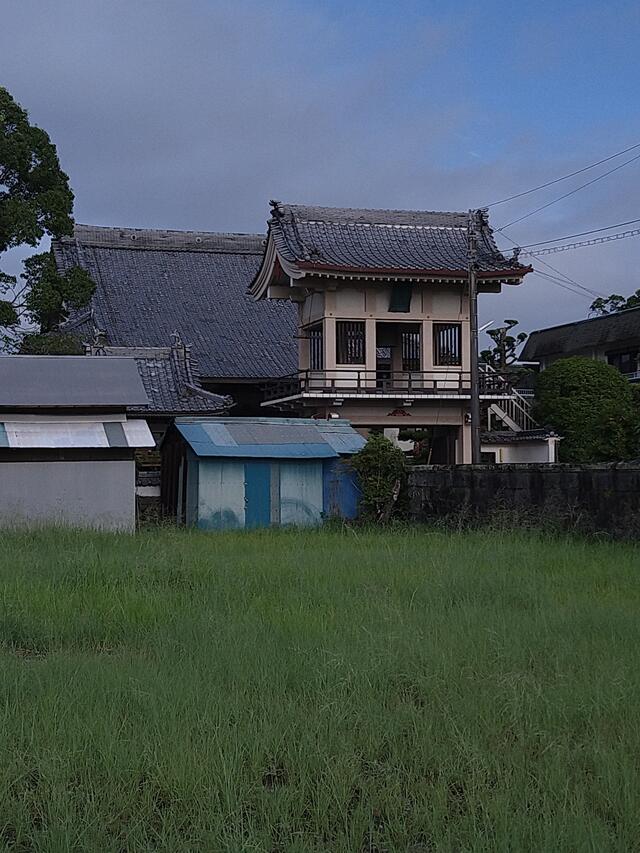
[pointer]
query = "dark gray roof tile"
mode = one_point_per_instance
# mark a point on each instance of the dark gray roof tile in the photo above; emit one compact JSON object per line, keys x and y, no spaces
{"x":574,"y":338}
{"x":150,"y":284}
{"x":408,"y":241}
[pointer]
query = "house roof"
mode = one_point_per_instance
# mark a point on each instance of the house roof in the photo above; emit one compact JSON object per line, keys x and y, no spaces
{"x":398,"y":243}
{"x":152,"y":283}
{"x":170,"y":379}
{"x":573,"y":338}
{"x":69,"y":381}
{"x":286,"y":438}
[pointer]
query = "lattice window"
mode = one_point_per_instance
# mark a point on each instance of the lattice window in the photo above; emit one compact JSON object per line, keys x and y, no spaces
{"x":411,"y":350}
{"x":447,"y":344}
{"x":350,"y":342}
{"x":316,"y":348}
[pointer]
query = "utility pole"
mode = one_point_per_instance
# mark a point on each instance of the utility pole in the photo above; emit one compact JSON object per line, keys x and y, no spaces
{"x":474,"y":216}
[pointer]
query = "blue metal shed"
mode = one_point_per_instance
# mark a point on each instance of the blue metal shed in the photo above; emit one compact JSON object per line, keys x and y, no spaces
{"x":221,"y":473}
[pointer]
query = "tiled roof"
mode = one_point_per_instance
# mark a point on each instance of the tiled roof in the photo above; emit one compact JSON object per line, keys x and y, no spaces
{"x":401,"y":241}
{"x":170,"y":380}
{"x":512,"y":437}
{"x":150,"y":284}
{"x":574,"y":338}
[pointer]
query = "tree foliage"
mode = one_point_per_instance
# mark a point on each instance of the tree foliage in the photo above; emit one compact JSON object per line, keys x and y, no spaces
{"x":592,"y":406}
{"x":51,"y":343}
{"x":35,"y":201}
{"x":614,"y":303}
{"x":503,"y":354}
{"x":381,"y":470}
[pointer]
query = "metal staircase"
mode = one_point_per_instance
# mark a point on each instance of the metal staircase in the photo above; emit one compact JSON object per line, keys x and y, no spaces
{"x":512,"y":412}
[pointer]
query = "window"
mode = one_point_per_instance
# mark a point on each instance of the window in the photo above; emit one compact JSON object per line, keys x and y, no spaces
{"x":400,"y":300}
{"x":316,"y":348}
{"x":447,"y":344}
{"x":350,"y":342}
{"x":626,"y":362}
{"x":411,"y":350}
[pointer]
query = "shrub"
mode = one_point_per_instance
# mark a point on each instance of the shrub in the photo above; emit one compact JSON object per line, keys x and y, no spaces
{"x":591,"y":405}
{"x":381,"y":469}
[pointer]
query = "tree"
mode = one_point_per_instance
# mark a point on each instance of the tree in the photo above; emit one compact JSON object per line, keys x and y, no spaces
{"x":381,"y":470}
{"x":35,"y":201}
{"x":614,"y":303}
{"x":503,"y":354}
{"x":592,"y":406}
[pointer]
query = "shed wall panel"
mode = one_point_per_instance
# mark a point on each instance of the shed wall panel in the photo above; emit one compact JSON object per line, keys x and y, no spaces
{"x":301,"y":492}
{"x":98,"y":494}
{"x":221,"y":493}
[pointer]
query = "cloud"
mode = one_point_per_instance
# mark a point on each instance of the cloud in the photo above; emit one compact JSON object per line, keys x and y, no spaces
{"x":193,"y":114}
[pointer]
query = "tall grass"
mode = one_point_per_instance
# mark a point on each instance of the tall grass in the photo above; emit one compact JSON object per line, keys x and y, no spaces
{"x":318,"y":691}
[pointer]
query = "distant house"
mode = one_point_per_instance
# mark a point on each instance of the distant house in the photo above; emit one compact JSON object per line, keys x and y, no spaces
{"x":614,"y":338}
{"x":221,"y":473}
{"x":150,"y":284}
{"x":67,"y":445}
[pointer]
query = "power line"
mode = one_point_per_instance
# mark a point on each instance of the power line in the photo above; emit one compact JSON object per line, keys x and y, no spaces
{"x":557,"y":282}
{"x":566,"y":278}
{"x":570,"y":193}
{"x":550,"y":250}
{"x":580,"y":234}
{"x":564,"y":177}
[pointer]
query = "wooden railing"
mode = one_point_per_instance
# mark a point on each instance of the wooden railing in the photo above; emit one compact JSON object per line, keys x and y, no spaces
{"x":446,"y":381}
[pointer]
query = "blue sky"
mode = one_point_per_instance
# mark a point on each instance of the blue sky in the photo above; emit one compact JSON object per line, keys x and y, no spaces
{"x":194,"y":114}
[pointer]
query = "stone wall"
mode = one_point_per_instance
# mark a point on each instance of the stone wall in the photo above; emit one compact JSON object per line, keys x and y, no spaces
{"x":594,"y":498}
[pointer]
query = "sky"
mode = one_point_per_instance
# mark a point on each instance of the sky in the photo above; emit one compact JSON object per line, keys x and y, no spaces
{"x":192,"y":114}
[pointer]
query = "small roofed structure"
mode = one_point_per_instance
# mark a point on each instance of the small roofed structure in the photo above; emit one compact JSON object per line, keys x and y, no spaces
{"x":66,"y":444}
{"x":254,"y":472}
{"x":531,"y":445}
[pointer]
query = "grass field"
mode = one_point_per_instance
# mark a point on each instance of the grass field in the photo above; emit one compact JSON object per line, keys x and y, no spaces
{"x":318,"y":691}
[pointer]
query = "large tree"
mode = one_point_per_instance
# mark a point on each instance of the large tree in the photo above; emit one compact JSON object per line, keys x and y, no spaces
{"x":35,"y":201}
{"x":592,"y":406}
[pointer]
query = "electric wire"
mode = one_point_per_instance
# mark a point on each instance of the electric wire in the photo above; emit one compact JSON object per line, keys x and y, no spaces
{"x":564,"y":177}
{"x":558,"y":272}
{"x":580,"y":234}
{"x":570,"y":193}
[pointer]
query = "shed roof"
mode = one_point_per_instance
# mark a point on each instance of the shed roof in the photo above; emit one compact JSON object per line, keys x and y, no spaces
{"x":152,"y":283}
{"x":80,"y":433}
{"x":402,"y":243}
{"x":287,"y":438}
{"x":593,"y":333}
{"x":69,"y":381}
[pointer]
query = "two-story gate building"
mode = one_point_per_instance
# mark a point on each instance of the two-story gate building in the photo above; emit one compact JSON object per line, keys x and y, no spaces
{"x":383,"y":317}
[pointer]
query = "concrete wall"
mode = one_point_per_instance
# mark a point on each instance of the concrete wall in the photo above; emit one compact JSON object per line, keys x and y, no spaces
{"x":586,"y":497}
{"x":98,"y":494}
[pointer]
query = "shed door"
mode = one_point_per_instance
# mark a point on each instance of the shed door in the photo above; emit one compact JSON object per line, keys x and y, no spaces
{"x":300,"y":492}
{"x":257,"y":493}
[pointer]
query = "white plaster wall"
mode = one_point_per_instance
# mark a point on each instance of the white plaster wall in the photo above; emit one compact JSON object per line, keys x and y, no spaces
{"x":98,"y":494}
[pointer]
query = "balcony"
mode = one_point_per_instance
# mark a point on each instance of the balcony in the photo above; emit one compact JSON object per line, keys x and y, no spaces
{"x":355,"y":383}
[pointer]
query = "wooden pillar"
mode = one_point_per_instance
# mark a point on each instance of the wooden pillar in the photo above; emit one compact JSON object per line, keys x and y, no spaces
{"x":329,"y":330}
{"x":370,"y":343}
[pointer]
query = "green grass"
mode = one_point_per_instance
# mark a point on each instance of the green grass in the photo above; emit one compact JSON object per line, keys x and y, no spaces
{"x":318,"y":691}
